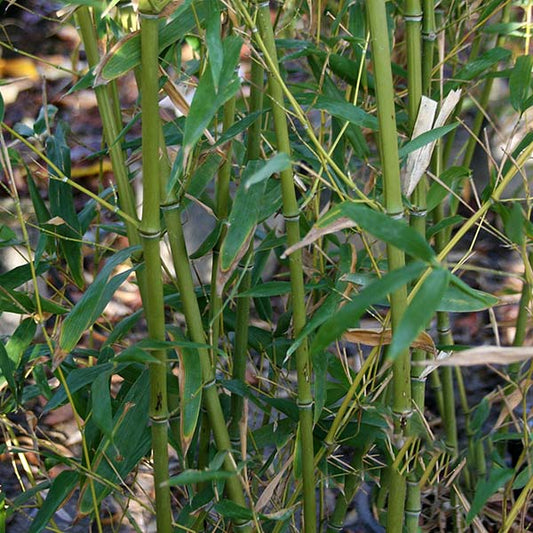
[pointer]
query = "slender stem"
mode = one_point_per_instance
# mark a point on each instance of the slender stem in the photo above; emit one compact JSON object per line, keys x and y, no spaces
{"x":150,"y":231}
{"x":388,"y":143}
{"x":242,"y":313}
{"x":292,"y":220}
{"x":110,"y":125}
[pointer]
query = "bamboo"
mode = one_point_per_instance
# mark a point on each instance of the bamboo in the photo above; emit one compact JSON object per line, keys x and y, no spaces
{"x":193,"y":318}
{"x":110,"y":125}
{"x":150,"y":232}
{"x":242,"y":319}
{"x":388,"y":144}
{"x":292,"y":220}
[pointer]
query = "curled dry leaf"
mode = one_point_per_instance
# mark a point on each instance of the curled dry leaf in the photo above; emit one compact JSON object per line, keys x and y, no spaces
{"x":511,"y":401}
{"x":317,"y":232}
{"x":485,"y":355}
{"x":380,"y":337}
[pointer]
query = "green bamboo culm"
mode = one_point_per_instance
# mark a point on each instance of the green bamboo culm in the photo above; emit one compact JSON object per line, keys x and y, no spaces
{"x":211,"y":402}
{"x":418,"y":212}
{"x":242,"y":312}
{"x":110,"y":124}
{"x":388,"y":144}
{"x":150,"y":232}
{"x":291,"y":215}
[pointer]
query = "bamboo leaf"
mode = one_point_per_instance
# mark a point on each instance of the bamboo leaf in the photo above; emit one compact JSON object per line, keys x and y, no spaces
{"x":383,"y":227}
{"x":475,"y":68}
{"x":264,"y":170}
{"x":101,"y":404}
{"x":61,"y":488}
{"x":8,"y":368}
{"x":461,"y":298}
{"x":425,"y":138}
{"x":190,"y":389}
{"x":348,"y":316}
{"x":448,"y":177}
{"x":419,"y":312}
{"x":383,"y":337}
{"x":62,"y":205}
{"x":231,"y":510}
{"x":96,"y":297}
{"x":347,"y":111}
{"x":190,"y":477}
{"x":131,"y":442}
{"x":520,"y":82}
{"x":214,"y":42}
{"x":20,"y":340}
{"x":207,"y":99}
{"x":485,"y":488}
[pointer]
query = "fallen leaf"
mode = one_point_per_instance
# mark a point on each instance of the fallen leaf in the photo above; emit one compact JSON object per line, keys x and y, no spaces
{"x":485,"y":355}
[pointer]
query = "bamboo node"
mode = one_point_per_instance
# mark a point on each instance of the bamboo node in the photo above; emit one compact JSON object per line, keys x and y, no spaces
{"x":149,"y":15}
{"x":150,"y":234}
{"x":429,"y":36}
{"x":396,"y":216}
{"x":171,"y":206}
{"x":305,"y":405}
{"x":209,"y":384}
{"x":419,"y":212}
{"x":413,"y":18}
{"x":291,"y":218}
{"x":161,"y":419}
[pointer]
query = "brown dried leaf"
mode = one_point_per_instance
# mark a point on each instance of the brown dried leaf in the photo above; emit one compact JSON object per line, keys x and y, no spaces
{"x":380,"y":337}
{"x":485,"y":355}
{"x":315,"y":234}
{"x":511,"y":402}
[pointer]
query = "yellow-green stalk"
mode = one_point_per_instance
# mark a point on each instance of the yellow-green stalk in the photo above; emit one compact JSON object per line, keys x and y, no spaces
{"x":388,"y":144}
{"x":242,"y":313}
{"x":291,"y":215}
{"x":418,"y":211}
{"x":150,"y":232}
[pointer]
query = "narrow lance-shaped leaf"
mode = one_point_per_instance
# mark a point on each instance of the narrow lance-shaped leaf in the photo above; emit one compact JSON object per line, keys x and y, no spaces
{"x":101,"y":404}
{"x":93,"y":302}
{"x":419,"y":311}
{"x":190,"y":387}
{"x":348,"y":316}
{"x":382,"y":226}
{"x":62,"y":486}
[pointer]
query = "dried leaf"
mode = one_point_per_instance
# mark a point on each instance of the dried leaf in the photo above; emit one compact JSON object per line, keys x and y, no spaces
{"x":381,"y":337}
{"x":317,"y":232}
{"x":486,"y":355}
{"x":418,"y":160}
{"x":511,"y":402}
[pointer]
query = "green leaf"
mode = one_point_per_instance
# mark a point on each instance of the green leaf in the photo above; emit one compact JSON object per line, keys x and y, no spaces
{"x":190,"y":477}
{"x":419,"y":312}
{"x":76,"y":380}
{"x":265,"y":169}
{"x":443,"y":224}
{"x":214,"y":42}
{"x":114,"y":461}
{"x":190,"y":389}
{"x":349,"y":314}
{"x":92,"y":303}
{"x":8,"y":368}
{"x":485,"y":488}
{"x":243,"y":218}
{"x":20,"y":340}
{"x":520,"y":82}
{"x":347,"y":111}
{"x":62,"y":205}
{"x":209,"y":243}
{"x":269,"y":288}
{"x":7,"y":236}
{"x":134,"y":354}
{"x":461,"y":298}
{"x":61,"y":488}
{"x":101,"y":403}
{"x":392,"y":231}
{"x":231,"y":510}
{"x":126,"y":55}
{"x":2,"y":107}
{"x":474,"y":69}
{"x":207,"y":99}
{"x":425,"y":138}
